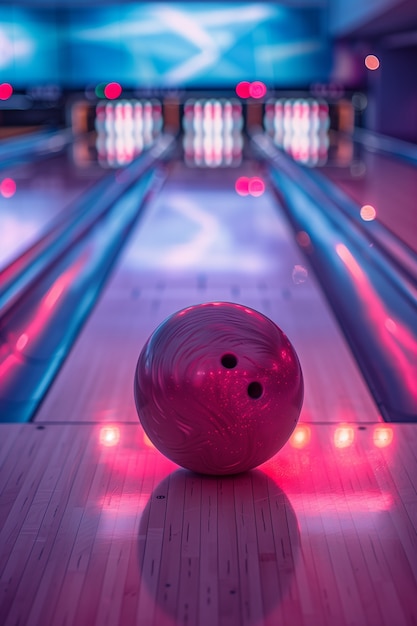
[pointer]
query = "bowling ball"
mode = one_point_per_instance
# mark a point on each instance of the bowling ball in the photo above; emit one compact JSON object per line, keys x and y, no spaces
{"x":218,"y":388}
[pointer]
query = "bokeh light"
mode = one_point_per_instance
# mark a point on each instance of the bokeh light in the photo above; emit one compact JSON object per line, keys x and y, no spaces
{"x":303,"y":239}
{"x":301,"y":436}
{"x":383,"y":436}
{"x":242,"y":186}
{"x":22,"y":341}
{"x":344,"y":436}
{"x":256,"y":186}
{"x":390,"y":325}
{"x":112,"y":91}
{"x":6,"y":91}
{"x":7,"y":187}
{"x":109,"y":436}
{"x":253,"y":186}
{"x":299,"y":274}
{"x":243,"y":89}
{"x":367,"y":213}
{"x":257,"y":89}
{"x":371,"y":62}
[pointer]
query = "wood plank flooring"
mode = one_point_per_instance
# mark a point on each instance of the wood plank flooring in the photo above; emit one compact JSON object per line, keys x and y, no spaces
{"x":97,"y":527}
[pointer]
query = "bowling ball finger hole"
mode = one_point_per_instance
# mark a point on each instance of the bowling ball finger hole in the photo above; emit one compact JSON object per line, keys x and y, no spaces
{"x":255,"y":390}
{"x":229,"y":361}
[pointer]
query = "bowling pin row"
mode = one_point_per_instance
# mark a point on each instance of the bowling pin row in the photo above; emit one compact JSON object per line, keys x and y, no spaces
{"x":125,"y":128}
{"x":212,"y":116}
{"x":212,"y":133}
{"x":300,"y":127}
{"x":297,"y":115}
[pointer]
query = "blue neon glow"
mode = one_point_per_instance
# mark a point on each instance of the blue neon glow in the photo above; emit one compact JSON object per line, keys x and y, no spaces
{"x":29,"y":46}
{"x":165,"y":44}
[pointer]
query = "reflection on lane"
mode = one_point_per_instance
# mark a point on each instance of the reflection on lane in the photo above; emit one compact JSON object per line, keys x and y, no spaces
{"x":398,"y":341}
{"x":33,"y":195}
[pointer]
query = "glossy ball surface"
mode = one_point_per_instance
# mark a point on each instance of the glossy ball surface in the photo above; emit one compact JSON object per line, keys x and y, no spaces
{"x":218,"y":388}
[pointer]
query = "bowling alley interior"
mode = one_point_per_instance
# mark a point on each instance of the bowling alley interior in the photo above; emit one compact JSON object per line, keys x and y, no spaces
{"x":208,"y":313}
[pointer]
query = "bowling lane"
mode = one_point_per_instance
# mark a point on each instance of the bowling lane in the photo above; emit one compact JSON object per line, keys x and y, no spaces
{"x":201,"y":241}
{"x":387,"y":183}
{"x":33,"y":194}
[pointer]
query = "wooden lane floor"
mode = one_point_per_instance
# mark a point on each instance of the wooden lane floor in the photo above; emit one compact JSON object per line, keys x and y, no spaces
{"x":97,"y":527}
{"x":199,"y":241}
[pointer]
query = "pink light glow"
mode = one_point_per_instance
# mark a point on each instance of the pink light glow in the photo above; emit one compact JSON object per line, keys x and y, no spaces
{"x":394,"y":336}
{"x":336,"y":505}
{"x":257,"y":89}
{"x":367,"y":213}
{"x":344,"y":436}
{"x":301,"y":436}
{"x":22,"y":341}
{"x":7,"y":364}
{"x":112,"y":91}
{"x":253,"y":186}
{"x":383,"y":436}
{"x":109,"y":436}
{"x":304,"y":471}
{"x":256,"y":186}
{"x":243,"y":89}
{"x":6,"y":90}
{"x":7,"y":187}
{"x":242,"y":186}
{"x":39,"y":322}
{"x":371,"y":62}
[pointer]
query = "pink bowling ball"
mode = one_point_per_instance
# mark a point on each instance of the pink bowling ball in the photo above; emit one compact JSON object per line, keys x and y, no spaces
{"x":218,"y":388}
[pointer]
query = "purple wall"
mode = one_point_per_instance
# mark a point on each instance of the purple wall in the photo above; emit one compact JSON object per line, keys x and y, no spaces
{"x":387,"y":28}
{"x":392,"y":94}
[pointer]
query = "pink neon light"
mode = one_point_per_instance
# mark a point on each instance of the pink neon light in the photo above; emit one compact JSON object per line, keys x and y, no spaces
{"x":253,"y":186}
{"x":371,"y":62}
{"x":383,"y":436}
{"x":344,"y":436}
{"x":242,"y":186}
{"x":112,"y":91}
{"x":395,"y":337}
{"x":6,"y":90}
{"x":256,"y":186}
{"x":38,"y":323}
{"x":368,"y":213}
{"x":243,"y":89}
{"x":7,"y":187}
{"x":257,"y":89}
{"x":109,"y":436}
{"x":301,"y":436}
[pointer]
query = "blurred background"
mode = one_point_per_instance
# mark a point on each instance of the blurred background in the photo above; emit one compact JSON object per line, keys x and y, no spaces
{"x":56,"y":56}
{"x":156,"y":155}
